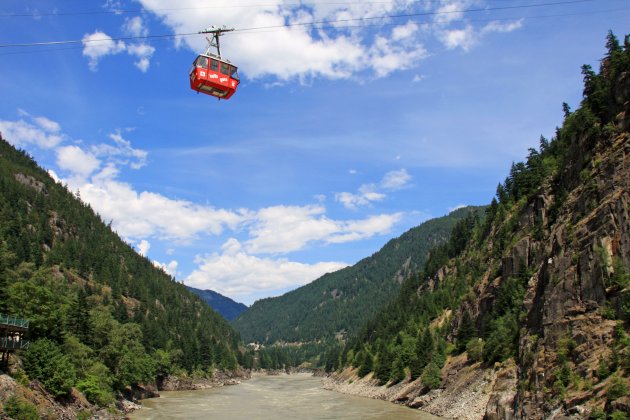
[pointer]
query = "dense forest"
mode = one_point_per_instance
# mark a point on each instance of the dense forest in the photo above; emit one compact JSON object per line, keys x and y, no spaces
{"x":102,"y":317}
{"x":339,"y":303}
{"x":543,"y":280}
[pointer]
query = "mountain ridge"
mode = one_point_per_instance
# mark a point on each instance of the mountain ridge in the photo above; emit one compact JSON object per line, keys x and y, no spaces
{"x":339,"y":302}
{"x":225,"y":306}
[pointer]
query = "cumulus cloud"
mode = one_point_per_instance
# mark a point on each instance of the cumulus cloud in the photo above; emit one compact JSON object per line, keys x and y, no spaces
{"x":369,"y":193}
{"x":121,"y":151}
{"x":464,"y":38}
{"x":285,"y":229}
{"x":395,"y":180}
{"x":143,"y":53}
{"x":308,"y":49}
{"x":144,"y":214}
{"x":77,"y":161}
{"x":239,"y":275}
{"x":31,"y":130}
{"x":135,"y":27}
{"x":169,"y":268}
{"x":98,"y":45}
{"x":328,"y":40}
{"x":143,"y":247}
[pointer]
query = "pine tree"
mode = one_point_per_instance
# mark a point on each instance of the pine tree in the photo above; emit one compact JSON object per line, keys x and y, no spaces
{"x":466,"y":331}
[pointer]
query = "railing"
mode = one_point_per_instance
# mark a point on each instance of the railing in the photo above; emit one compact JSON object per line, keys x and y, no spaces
{"x":7,"y":343}
{"x":14,"y":321}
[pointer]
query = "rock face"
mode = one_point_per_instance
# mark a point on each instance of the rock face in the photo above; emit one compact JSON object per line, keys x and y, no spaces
{"x":47,"y":407}
{"x":547,"y":278}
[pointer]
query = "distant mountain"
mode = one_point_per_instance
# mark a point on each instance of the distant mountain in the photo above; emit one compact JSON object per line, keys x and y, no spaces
{"x":338,"y":303}
{"x":225,"y":306}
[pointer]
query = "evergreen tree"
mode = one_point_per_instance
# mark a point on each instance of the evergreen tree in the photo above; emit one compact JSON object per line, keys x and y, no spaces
{"x":466,"y":331}
{"x":424,"y":351}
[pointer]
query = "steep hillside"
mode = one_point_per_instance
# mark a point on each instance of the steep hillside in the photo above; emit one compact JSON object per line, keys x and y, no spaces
{"x":340,"y":302}
{"x":225,"y":306}
{"x":102,"y":318}
{"x":525,"y":314}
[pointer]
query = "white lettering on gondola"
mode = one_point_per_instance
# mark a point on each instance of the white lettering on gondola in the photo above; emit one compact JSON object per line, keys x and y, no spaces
{"x":202,"y":73}
{"x":223,"y":79}
{"x":213,"y":76}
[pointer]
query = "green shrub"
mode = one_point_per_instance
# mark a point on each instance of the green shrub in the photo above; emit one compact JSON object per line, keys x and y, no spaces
{"x":618,"y":415}
{"x":597,"y":414}
{"x":432,"y":376}
{"x":616,"y":389}
{"x":474,"y":348}
{"x":20,"y":409}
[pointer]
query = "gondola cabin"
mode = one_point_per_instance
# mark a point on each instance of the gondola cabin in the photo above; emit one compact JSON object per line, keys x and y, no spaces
{"x":213,"y":76}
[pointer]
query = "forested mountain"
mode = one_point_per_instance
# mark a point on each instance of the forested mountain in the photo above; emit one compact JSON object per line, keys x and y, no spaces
{"x":102,"y":317}
{"x":340,"y":302}
{"x":533,"y":303}
{"x":226,"y":307}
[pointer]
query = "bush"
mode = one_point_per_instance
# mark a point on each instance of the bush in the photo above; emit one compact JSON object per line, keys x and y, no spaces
{"x":20,"y":409}
{"x":618,"y":415}
{"x":474,"y":348}
{"x":94,"y":391}
{"x":616,"y":389}
{"x":597,"y":414}
{"x":432,"y":376}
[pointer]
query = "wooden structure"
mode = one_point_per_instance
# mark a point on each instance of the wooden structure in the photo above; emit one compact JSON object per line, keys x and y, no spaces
{"x":13,"y":334}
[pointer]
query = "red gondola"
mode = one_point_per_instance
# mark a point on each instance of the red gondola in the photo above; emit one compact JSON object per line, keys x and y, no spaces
{"x":212,"y":75}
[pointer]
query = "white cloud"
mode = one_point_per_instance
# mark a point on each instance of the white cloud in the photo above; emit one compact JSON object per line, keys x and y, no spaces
{"x":495,"y":26}
{"x":144,"y":214}
{"x":464,"y":38}
{"x":143,"y":247}
{"x":170,"y":268}
{"x":362,"y":229}
{"x":395,"y":180}
{"x":39,"y":131}
{"x":135,"y":27}
{"x":77,"y":161}
{"x":143,"y":52}
{"x":306,"y":51}
{"x":284,"y":229}
{"x":239,"y":275}
{"x":48,"y":125}
{"x":369,"y":193}
{"x":417,"y":78}
{"x":97,"y":45}
{"x":405,"y":31}
{"x":121,"y":151}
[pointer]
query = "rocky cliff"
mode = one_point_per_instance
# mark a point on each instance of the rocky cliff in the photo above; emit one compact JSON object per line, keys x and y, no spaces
{"x":530,"y":319}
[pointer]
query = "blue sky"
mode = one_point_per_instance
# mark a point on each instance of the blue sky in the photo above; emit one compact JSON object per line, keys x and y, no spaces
{"x":340,"y":137}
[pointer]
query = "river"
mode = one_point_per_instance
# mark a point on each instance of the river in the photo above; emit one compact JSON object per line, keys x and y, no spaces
{"x":298,"y":396}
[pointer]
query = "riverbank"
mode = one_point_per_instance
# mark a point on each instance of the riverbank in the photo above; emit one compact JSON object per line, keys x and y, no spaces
{"x":191,"y":383}
{"x":468,"y":392}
